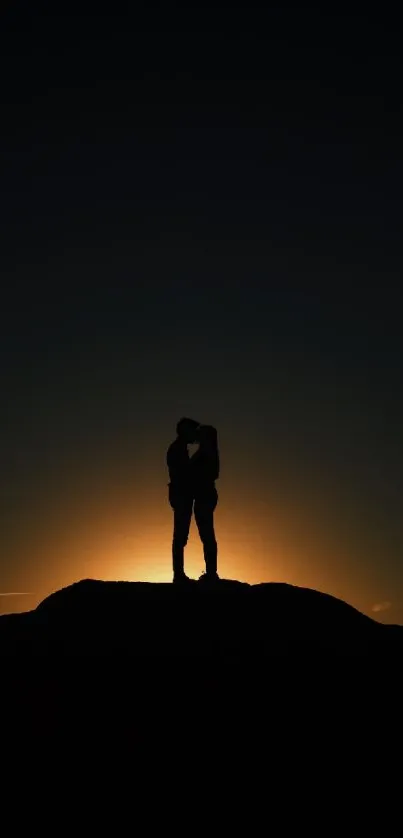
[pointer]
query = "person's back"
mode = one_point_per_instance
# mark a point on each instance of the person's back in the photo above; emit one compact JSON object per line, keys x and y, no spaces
{"x":205,"y":463}
{"x":205,"y":469}
{"x":178,"y":465}
{"x":181,"y":491}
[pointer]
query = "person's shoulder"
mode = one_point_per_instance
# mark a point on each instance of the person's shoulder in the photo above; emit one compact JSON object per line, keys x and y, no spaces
{"x":172,"y":447}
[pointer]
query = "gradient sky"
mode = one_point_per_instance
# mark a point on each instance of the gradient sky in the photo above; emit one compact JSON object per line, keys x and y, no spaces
{"x":201,"y":215}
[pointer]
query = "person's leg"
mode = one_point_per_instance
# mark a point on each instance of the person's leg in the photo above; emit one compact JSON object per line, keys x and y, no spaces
{"x":182,"y":518}
{"x":204,"y":515}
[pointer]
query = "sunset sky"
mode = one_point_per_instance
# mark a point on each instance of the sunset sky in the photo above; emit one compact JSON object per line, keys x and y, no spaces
{"x":201,"y":216}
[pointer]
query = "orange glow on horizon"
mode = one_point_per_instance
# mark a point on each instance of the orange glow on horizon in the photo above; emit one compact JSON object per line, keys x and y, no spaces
{"x":131,"y":541}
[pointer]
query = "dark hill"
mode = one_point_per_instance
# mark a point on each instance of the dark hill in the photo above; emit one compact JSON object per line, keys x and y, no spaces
{"x":231,"y":619}
{"x":198,"y":671}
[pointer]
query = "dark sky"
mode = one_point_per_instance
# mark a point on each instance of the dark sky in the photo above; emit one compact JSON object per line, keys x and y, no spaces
{"x":201,"y":215}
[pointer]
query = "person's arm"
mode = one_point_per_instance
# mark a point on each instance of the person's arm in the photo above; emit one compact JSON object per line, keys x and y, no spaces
{"x":171,"y":463}
{"x":215,"y":454}
{"x":178,"y":464}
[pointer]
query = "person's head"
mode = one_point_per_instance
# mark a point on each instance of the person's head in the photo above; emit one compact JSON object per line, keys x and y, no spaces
{"x":187,"y":429}
{"x":207,"y":437}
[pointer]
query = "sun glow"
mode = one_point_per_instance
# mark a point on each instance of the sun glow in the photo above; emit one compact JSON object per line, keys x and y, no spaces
{"x":262,"y":543}
{"x":157,"y":564}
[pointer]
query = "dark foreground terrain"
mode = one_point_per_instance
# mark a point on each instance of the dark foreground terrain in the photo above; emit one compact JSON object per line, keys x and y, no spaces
{"x":130,"y":661}
{"x":227,"y":619}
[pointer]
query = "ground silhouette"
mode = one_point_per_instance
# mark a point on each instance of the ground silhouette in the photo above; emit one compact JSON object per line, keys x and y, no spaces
{"x":227,"y":619}
{"x":199,"y":671}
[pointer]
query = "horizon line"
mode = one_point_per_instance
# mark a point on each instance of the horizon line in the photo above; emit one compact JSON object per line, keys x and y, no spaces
{"x":17,"y":593}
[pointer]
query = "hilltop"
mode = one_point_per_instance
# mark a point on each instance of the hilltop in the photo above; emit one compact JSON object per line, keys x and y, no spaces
{"x":228,"y":619}
{"x":198,"y":670}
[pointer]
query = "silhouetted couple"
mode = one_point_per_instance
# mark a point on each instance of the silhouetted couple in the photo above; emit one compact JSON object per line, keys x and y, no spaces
{"x":192,"y":488}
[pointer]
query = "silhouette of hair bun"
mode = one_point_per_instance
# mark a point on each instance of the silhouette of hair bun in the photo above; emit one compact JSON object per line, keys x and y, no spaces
{"x":186,"y":424}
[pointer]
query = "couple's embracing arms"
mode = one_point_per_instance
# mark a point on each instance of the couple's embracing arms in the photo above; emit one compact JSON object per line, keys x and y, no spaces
{"x":204,"y":461}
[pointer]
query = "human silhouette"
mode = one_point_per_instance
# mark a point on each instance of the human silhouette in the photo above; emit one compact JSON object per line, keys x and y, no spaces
{"x":181,"y":492}
{"x":205,"y":470}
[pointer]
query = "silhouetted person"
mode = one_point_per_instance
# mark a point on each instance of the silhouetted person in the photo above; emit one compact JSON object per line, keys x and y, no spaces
{"x":205,"y":470}
{"x":181,"y":492}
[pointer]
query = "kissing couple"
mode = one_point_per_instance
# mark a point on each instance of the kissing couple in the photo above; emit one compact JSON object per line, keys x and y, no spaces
{"x":192,"y":489}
